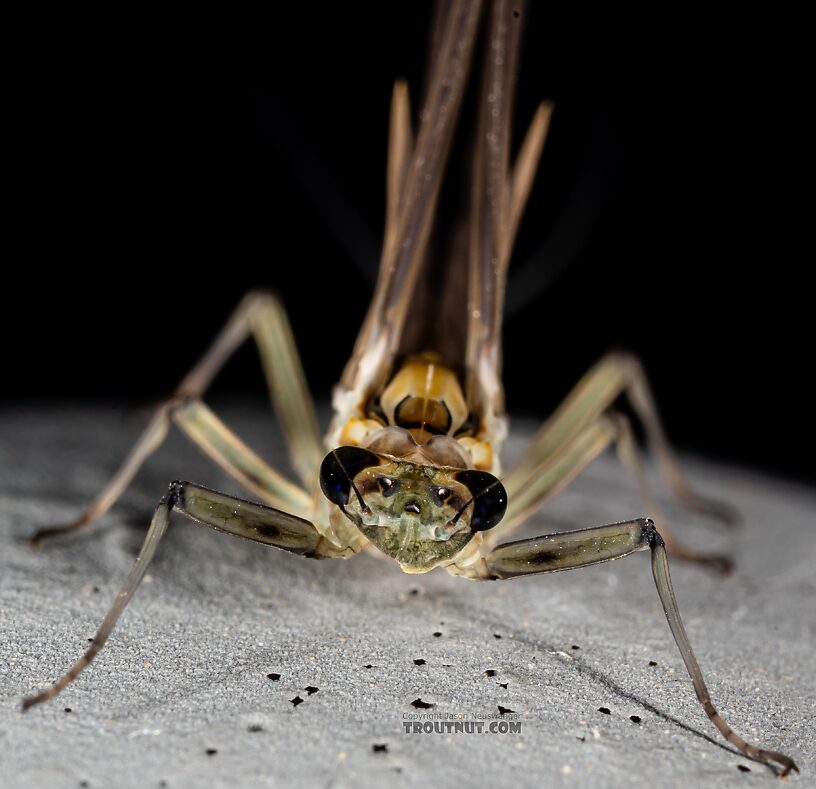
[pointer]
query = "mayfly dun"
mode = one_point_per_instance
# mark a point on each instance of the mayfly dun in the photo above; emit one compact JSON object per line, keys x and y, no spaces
{"x":410,"y":465}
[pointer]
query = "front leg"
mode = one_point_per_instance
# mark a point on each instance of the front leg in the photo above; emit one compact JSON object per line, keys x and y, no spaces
{"x":223,"y":513}
{"x":568,"y":550}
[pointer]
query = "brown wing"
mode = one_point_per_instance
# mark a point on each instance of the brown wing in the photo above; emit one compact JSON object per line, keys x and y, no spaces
{"x":414,"y":177}
{"x":498,"y":199}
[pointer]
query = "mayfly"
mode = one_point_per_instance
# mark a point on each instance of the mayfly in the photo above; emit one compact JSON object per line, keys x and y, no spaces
{"x":411,"y":462}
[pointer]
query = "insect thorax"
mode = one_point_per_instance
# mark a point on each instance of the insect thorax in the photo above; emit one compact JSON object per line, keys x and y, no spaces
{"x":424,"y":399}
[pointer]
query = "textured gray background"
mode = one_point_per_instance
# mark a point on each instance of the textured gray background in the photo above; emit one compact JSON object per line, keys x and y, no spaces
{"x":186,"y":669}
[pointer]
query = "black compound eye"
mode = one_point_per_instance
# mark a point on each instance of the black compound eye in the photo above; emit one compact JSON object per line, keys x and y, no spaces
{"x":388,"y":486}
{"x":489,"y":498}
{"x":339,"y":468}
{"x":440,"y":495}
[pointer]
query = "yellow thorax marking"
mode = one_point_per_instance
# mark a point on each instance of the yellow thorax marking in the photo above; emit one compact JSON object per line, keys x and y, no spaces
{"x":425,"y":398}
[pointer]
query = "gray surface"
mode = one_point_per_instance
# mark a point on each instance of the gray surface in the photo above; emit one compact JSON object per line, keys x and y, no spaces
{"x":186,"y":670}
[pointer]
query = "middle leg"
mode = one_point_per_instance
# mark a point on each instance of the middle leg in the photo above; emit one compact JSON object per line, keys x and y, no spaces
{"x":201,"y":425}
{"x":261,"y":315}
{"x":561,"y":467}
{"x":614,"y":375}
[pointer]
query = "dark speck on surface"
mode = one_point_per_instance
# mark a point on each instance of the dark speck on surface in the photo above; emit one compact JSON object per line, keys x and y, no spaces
{"x":295,"y":701}
{"x":211,"y":751}
{"x":437,"y":634}
{"x":604,"y":710}
{"x":490,"y":672}
{"x":273,"y":676}
{"x":419,"y":662}
{"x":380,"y":747}
{"x":310,"y":689}
{"x":634,"y":718}
{"x":504,"y":710}
{"x":421,"y":705}
{"x":743,"y":769}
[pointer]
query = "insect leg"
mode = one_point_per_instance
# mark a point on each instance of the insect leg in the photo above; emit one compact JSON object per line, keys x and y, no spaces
{"x":615,"y":374}
{"x":552,"y":474}
{"x":563,"y":465}
{"x":630,"y":457}
{"x":201,"y":425}
{"x":262,"y":315}
{"x":569,"y":550}
{"x":150,"y":440}
{"x":224,"y":513}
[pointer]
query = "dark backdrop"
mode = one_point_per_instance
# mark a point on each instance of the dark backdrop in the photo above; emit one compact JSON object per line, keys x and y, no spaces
{"x":162,"y":167}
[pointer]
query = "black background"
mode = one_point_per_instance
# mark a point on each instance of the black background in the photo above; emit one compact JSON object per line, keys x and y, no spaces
{"x":162,"y":167}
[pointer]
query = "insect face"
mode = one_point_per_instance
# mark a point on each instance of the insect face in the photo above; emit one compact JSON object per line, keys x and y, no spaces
{"x":419,"y":515}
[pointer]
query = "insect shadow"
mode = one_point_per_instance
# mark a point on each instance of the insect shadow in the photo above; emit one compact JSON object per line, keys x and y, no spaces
{"x":578,"y":664}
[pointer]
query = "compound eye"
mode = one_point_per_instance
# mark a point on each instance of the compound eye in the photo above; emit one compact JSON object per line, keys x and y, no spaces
{"x":440,"y":495}
{"x":489,"y":498}
{"x":388,"y":486}
{"x":339,"y":468}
